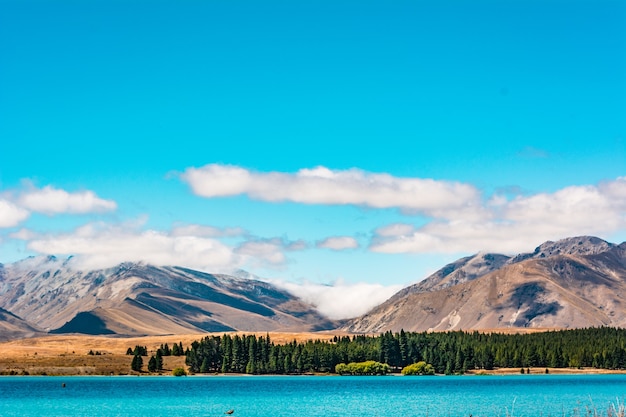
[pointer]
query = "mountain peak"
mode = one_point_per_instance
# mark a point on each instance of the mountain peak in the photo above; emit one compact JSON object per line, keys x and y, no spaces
{"x":571,"y":283}
{"x":580,"y":245}
{"x":460,"y":271}
{"x":134,"y":298}
{"x":577,"y":246}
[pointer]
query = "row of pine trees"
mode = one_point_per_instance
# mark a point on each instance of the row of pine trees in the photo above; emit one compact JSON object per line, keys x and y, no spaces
{"x":155,"y":363}
{"x":448,"y":352}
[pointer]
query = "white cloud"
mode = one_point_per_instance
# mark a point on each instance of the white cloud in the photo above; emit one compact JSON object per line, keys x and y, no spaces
{"x":16,"y":206}
{"x":594,"y":207}
{"x":396,"y":229}
{"x":515,"y":225}
{"x":50,"y":200}
{"x":23,"y":234}
{"x":341,"y":300}
{"x":324,"y":186}
{"x":10,"y":214}
{"x":460,"y":237}
{"x":338,"y":243}
{"x":263,"y":251}
{"x":297,"y":245}
{"x":207,"y":231}
{"x":456,"y":217}
{"x":101,"y":245}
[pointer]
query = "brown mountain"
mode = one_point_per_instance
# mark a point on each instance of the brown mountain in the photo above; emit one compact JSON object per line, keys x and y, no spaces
{"x":572,"y":283}
{"x":140,"y":299}
{"x":13,"y":327}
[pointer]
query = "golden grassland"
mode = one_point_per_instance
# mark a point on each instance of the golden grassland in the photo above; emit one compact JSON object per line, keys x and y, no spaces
{"x":69,"y":354}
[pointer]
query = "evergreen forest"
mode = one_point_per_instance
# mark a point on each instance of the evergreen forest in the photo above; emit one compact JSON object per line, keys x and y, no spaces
{"x":448,"y":352}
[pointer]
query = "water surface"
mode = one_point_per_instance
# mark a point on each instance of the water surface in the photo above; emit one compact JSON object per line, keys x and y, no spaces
{"x":517,"y":395}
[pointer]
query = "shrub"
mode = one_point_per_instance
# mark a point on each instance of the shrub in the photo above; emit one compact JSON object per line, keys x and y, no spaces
{"x":363,"y":368}
{"x":179,"y":372}
{"x":419,"y":368}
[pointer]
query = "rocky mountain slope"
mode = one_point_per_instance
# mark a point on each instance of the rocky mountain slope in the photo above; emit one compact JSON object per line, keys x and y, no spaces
{"x":12,"y":327}
{"x":138,"y":299}
{"x":575,"y":282}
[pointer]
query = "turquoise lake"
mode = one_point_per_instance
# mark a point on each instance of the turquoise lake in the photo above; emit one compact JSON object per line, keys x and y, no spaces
{"x":515,"y":395}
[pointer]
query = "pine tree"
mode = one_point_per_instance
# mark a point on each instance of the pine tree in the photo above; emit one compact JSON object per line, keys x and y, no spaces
{"x":152,"y":364}
{"x":137,"y":363}
{"x":159,"y":360}
{"x":251,"y":366}
{"x":404,"y":349}
{"x":204,"y":368}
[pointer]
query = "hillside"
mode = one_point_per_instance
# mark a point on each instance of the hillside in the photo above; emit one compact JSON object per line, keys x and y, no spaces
{"x":12,"y":327}
{"x":139,"y":299}
{"x":572,"y":283}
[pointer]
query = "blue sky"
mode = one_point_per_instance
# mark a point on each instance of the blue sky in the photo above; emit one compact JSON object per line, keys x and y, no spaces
{"x":360,"y":144}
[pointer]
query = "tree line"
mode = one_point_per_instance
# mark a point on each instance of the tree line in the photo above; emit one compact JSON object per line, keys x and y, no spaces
{"x":447,"y":352}
{"x":155,"y":363}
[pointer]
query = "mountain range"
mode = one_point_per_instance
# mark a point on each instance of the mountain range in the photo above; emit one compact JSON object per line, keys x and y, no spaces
{"x":45,"y":294}
{"x":572,"y":283}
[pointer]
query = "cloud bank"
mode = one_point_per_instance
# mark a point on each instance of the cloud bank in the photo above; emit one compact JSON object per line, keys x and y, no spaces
{"x":511,"y":226}
{"x":321,"y":185}
{"x":341,"y":300}
{"x":102,"y":245}
{"x":454,"y":217}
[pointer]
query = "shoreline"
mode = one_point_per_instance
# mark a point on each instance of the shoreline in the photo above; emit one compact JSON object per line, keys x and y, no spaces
{"x":565,"y":372}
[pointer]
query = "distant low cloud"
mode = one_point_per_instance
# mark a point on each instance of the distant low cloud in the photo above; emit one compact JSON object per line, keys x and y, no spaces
{"x":269,"y":251}
{"x":297,"y":245}
{"x":515,"y":225}
{"x":396,"y":229}
{"x":50,"y":200}
{"x":99,"y":245}
{"x":24,"y":234}
{"x":338,"y":243}
{"x":321,"y":185}
{"x":341,"y":300}
{"x":207,"y":231}
{"x":11,"y":215}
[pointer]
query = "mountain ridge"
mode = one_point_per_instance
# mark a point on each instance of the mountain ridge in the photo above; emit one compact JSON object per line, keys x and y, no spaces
{"x":574,"y":282}
{"x":143,"y":299}
{"x":569,"y":283}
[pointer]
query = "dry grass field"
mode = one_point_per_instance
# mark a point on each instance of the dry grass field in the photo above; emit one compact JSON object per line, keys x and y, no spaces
{"x":69,"y":355}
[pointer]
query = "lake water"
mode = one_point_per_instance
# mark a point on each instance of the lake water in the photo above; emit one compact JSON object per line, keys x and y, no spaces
{"x":514,"y":395}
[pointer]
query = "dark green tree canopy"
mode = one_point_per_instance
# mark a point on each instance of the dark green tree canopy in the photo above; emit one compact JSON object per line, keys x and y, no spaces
{"x":447,"y":352}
